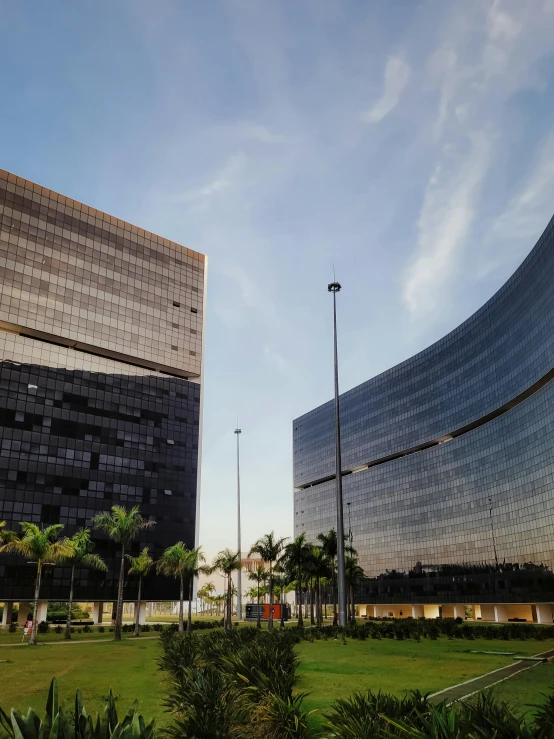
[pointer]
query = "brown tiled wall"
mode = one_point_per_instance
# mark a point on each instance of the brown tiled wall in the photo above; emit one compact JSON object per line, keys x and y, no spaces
{"x":76,"y":273}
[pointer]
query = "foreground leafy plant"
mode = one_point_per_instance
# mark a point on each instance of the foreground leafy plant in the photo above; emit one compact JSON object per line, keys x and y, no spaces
{"x":59,"y":725}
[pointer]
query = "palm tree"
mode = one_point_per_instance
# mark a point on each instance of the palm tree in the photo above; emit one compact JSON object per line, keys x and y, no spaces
{"x":259,"y":576}
{"x":194,"y":568}
{"x":122,"y":526}
{"x":328,"y":543}
{"x":295,"y":559}
{"x":174,"y":562}
{"x":354,"y":574}
{"x":43,"y":547}
{"x":319,"y":569}
{"x":81,"y":556}
{"x":226,"y":563}
{"x":205,"y":593}
{"x":5,"y":534}
{"x":269,"y":549}
{"x":140,"y":566}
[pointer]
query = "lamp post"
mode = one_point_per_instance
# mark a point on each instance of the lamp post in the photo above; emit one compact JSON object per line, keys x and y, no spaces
{"x":239,"y":572}
{"x":334,"y":288}
{"x":350,"y":534}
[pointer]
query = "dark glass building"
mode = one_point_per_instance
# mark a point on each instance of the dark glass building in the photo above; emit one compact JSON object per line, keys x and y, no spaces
{"x":101,"y":342}
{"x":449,"y":456}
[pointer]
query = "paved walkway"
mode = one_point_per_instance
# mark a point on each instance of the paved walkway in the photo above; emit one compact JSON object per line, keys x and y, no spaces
{"x":470,"y":687}
{"x":75,"y":641}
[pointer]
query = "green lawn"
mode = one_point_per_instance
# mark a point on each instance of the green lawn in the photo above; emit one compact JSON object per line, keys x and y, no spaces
{"x":528,"y":687}
{"x":129,"y":667}
{"x":331,"y":670}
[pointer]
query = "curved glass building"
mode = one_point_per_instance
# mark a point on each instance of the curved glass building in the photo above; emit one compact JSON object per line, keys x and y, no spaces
{"x":448,"y":458}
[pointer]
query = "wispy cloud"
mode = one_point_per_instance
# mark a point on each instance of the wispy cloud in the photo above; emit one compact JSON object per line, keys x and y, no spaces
{"x":276,"y":360}
{"x":524,"y":217}
{"x":223,"y":180}
{"x":446,"y":217}
{"x":397,"y":74}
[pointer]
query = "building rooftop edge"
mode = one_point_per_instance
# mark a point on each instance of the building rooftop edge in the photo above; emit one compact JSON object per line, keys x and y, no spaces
{"x":90,"y":211}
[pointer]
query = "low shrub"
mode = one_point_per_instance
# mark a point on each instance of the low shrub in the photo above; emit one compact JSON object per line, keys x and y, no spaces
{"x":77,"y":725}
{"x":101,"y":629}
{"x":12,"y":628}
{"x":43,"y":627}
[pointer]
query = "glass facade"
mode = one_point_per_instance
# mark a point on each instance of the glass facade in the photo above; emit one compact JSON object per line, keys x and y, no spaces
{"x":101,"y":328}
{"x":426,"y":444}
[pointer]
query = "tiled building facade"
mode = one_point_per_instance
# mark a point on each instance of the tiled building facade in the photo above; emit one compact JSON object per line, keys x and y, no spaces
{"x":431,"y":446}
{"x":101,"y":331}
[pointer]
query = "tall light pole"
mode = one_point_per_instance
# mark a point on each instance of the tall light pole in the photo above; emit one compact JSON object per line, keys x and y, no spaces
{"x":239,"y":573}
{"x":334,"y":288}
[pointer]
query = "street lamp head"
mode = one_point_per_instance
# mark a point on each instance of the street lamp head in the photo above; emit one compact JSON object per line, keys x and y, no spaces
{"x":333,"y":287}
{"x":237,"y":431}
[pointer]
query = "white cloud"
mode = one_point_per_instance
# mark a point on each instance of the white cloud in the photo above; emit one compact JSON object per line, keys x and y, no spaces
{"x":445,"y":221}
{"x":397,"y":74}
{"x":276,"y":359}
{"x":527,"y":212}
{"x":221,"y":181}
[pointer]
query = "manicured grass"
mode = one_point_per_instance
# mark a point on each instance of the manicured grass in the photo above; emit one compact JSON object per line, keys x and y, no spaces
{"x":331,"y":670}
{"x":527,"y":688}
{"x":129,"y":667}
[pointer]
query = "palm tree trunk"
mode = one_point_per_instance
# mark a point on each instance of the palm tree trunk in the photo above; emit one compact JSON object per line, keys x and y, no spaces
{"x":352,"y":604}
{"x":33,"y":637}
{"x":230,"y":603}
{"x":270,"y":624}
{"x":68,"y":622}
{"x":299,"y":601}
{"x":312,"y":619}
{"x":191,"y":590}
{"x":119,"y":609}
{"x":137,"y":608}
{"x":181,"y":599}
{"x":258,"y":619}
{"x":334,"y":599}
{"x":320,"y":603}
{"x":282,"y":605}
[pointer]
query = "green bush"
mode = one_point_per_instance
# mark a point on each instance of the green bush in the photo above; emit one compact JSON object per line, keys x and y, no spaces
{"x":43,"y":627}
{"x":12,"y":628}
{"x":101,"y":629}
{"x":59,"y":725}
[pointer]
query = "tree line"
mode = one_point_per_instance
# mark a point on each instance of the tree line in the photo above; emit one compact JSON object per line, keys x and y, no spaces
{"x":308,"y":569}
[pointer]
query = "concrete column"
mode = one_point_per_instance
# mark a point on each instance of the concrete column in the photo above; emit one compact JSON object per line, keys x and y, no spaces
{"x":544,"y":613}
{"x":142,"y":612}
{"x":487,"y":612}
{"x":41,"y":611}
{"x":97,"y":612}
{"x":23,"y":613}
{"x":7,"y":614}
{"x":417,"y":611}
{"x":459,"y":612}
{"x":501,"y":613}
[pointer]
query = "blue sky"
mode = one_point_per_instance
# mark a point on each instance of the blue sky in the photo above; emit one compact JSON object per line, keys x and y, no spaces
{"x":409,"y":144}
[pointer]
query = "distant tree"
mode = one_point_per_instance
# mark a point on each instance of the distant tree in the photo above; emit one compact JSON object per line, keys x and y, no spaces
{"x":195,"y":567}
{"x":122,"y":526}
{"x":354,"y":574}
{"x":320,"y":568}
{"x":81,"y":556}
{"x":259,"y":576}
{"x":5,"y":534}
{"x":205,"y":593}
{"x":43,"y":547}
{"x":174,"y":562}
{"x":295,"y":559}
{"x":328,"y":543}
{"x":140,"y":566}
{"x":226,"y":563}
{"x":269,"y":549}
